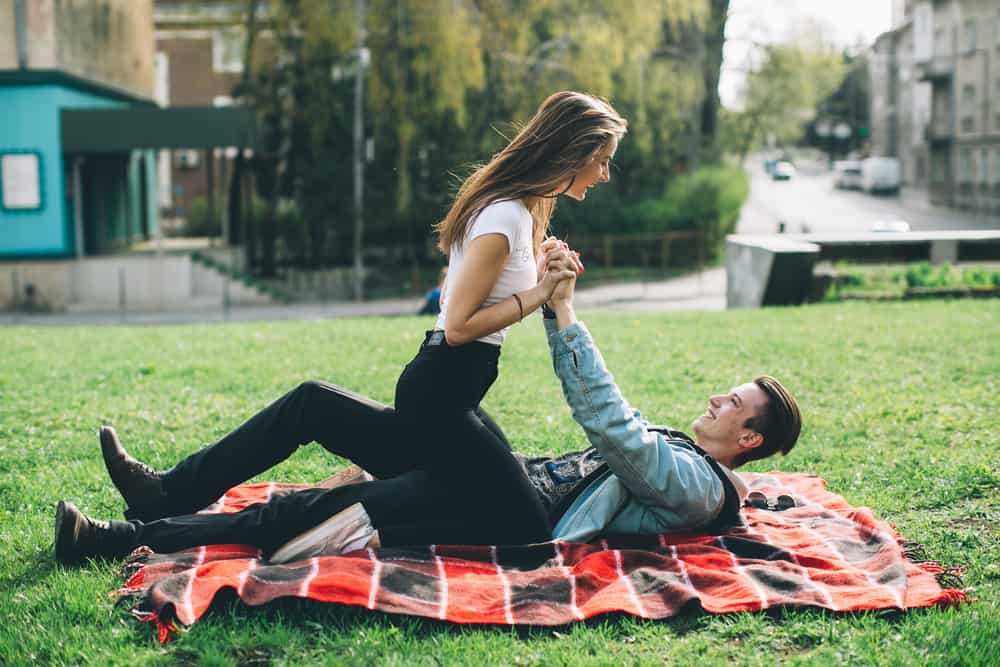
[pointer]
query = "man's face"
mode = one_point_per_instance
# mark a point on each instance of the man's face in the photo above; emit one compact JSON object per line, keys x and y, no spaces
{"x":726,"y":414}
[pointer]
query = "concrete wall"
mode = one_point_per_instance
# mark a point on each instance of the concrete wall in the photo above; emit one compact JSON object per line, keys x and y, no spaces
{"x":206,"y":282}
{"x":41,"y":286}
{"x":139,"y":282}
{"x":150,"y":283}
{"x":106,"y":41}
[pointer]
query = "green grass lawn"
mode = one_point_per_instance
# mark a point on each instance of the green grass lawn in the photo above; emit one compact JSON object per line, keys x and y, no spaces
{"x":900,"y":402}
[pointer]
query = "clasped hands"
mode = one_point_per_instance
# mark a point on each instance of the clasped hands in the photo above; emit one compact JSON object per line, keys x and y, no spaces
{"x":558,"y":266}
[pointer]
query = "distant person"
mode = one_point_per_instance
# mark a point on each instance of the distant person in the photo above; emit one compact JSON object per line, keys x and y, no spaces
{"x":432,"y":304}
{"x":636,"y":478}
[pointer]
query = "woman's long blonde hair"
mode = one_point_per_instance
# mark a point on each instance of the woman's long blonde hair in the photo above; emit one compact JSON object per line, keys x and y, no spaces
{"x":566,"y":132}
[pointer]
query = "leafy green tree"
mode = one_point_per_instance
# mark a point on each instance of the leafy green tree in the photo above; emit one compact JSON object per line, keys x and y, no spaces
{"x":781,"y":94}
{"x":448,"y":81}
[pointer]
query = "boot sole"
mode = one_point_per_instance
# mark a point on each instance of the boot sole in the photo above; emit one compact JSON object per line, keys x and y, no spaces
{"x":65,"y":535}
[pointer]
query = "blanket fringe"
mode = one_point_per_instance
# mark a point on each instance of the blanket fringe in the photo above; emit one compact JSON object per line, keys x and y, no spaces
{"x":949,"y":578}
{"x":138,"y":557}
{"x":952,"y":597}
{"x":913,"y":551}
{"x":164,"y":629}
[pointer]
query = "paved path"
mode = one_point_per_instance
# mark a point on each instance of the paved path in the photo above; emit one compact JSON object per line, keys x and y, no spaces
{"x":705,"y":291}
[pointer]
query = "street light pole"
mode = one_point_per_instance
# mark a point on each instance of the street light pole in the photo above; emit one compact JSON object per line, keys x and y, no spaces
{"x":359,"y":151}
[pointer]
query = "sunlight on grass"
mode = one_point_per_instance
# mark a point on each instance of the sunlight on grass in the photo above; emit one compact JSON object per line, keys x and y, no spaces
{"x":900,"y":410}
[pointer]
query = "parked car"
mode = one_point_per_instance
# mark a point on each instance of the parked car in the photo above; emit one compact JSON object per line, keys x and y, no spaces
{"x":890,"y":226}
{"x":847,"y":175}
{"x":881,"y":174}
{"x":782,"y":170}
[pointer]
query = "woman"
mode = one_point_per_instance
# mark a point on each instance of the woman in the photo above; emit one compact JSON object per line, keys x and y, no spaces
{"x":497,"y":274}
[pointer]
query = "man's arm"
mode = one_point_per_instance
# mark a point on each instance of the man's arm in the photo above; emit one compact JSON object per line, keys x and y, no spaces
{"x":657,"y":473}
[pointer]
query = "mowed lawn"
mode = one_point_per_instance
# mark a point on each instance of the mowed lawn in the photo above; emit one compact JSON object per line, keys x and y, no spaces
{"x":900,"y":403}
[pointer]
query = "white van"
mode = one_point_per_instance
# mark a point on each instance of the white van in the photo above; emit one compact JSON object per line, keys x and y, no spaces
{"x":881,"y":174}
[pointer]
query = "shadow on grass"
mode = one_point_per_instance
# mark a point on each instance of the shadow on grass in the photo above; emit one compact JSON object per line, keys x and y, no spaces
{"x":227,"y":612}
{"x":36,"y":571}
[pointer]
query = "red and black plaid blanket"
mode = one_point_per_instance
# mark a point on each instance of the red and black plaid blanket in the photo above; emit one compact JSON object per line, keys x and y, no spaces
{"x":822,"y":553}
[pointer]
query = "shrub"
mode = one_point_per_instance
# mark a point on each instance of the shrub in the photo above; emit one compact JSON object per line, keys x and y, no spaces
{"x":894,"y":280}
{"x":197,"y":222}
{"x":708,"y":200}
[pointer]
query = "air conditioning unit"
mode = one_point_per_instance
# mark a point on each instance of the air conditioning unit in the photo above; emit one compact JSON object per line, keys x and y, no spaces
{"x":187,"y":159}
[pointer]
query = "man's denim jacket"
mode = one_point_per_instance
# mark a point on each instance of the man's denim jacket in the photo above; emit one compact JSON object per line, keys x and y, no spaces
{"x":653,"y":485}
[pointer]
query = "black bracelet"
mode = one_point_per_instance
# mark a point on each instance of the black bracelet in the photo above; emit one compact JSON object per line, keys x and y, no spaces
{"x":520,"y":306}
{"x":547,"y":312}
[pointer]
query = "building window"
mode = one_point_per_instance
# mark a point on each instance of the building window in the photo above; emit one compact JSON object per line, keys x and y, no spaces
{"x":984,"y":166}
{"x":21,"y":181}
{"x":968,"y":103}
{"x":161,"y":86}
{"x":228,"y":45}
{"x":188,"y":158}
{"x":937,"y":168}
{"x":966,"y":168}
{"x":996,"y":166}
{"x":968,"y":124}
{"x":970,"y":35}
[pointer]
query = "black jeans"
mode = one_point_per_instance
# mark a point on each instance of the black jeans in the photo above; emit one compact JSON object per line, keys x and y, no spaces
{"x":409,"y":504}
{"x":437,"y":401}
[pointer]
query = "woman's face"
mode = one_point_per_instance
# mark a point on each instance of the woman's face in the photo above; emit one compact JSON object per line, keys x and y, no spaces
{"x":598,"y":170}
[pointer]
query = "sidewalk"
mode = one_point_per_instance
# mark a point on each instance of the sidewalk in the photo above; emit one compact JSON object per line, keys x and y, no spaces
{"x":705,"y":291}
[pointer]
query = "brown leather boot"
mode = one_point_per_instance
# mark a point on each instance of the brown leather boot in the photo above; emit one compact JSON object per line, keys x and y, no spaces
{"x":78,"y":537}
{"x":140,"y":485}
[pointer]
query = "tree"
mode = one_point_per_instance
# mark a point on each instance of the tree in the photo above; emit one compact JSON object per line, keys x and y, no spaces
{"x":781,"y":94}
{"x":448,"y":78}
{"x":847,"y":105}
{"x":715,"y":39}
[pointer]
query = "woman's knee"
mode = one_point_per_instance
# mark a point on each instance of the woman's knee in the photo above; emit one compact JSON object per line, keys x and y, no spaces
{"x":311,"y":388}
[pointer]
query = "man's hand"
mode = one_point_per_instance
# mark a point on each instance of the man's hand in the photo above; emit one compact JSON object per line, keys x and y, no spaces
{"x":561,"y":300}
{"x":550,"y":245}
{"x":563,"y":293}
{"x":560,"y":264}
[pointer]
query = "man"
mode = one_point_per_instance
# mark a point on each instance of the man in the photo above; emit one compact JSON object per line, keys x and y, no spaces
{"x":637,"y":478}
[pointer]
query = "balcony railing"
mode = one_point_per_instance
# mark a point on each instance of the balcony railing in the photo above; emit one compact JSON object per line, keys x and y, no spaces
{"x":938,"y":68}
{"x":938,"y":130}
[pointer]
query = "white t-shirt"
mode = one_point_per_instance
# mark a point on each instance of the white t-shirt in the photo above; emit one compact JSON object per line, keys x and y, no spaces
{"x":513,"y":220}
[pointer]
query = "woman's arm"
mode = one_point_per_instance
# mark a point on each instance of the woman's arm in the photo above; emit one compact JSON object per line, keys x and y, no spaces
{"x":485,"y":256}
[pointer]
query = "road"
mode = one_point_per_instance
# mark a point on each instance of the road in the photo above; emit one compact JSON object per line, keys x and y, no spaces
{"x":809,"y":202}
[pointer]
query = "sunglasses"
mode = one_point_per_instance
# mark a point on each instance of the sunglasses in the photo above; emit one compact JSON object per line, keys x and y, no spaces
{"x":758,"y":500}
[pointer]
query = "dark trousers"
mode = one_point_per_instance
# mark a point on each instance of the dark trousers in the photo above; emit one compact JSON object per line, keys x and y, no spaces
{"x":410,"y":504}
{"x":437,"y":401}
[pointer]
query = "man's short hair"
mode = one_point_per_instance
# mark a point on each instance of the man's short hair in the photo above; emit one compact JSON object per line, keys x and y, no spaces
{"x":779,"y":422}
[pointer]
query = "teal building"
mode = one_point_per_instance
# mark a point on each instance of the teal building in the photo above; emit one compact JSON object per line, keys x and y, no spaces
{"x":55,"y":201}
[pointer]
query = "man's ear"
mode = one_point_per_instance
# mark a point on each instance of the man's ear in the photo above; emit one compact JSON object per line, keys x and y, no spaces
{"x":750,"y":440}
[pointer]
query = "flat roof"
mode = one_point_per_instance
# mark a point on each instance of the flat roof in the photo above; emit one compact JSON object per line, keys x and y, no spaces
{"x":118,"y":130}
{"x":45,"y":77}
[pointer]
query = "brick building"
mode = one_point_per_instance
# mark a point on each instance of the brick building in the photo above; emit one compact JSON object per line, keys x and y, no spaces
{"x":199,"y":57}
